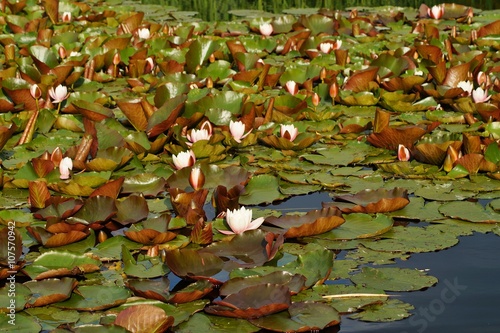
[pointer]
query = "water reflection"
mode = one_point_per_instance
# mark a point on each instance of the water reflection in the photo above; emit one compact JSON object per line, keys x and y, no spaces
{"x":212,"y":10}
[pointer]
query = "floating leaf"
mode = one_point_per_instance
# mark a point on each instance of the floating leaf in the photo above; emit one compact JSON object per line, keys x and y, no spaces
{"x":359,"y":225}
{"x":50,"y":291}
{"x":393,"y":279}
{"x":144,"y":318}
{"x":253,"y":302}
{"x":261,"y":189}
{"x":374,"y":201}
{"x":193,"y":264}
{"x":92,"y":298}
{"x":313,"y":223}
{"x":300,"y":317}
{"x":295,"y":282}
{"x":54,"y":263}
{"x":469,"y":211}
{"x":389,"y":310}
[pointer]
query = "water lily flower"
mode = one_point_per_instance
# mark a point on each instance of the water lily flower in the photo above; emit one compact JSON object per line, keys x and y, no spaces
{"x":479,"y":95}
{"x":65,"y":166}
{"x":35,"y":91}
{"x":62,"y":52}
{"x":184,"y":159}
{"x":483,"y":79}
{"x":66,"y":17}
{"x":325,"y":47}
{"x":315,"y":99}
{"x":334,"y":89}
{"x":403,"y":153}
{"x":196,"y":178}
{"x":59,"y":94}
{"x":289,"y":132}
{"x":204,"y":133}
{"x":292,"y":87}
{"x":266,"y":29}
{"x":337,"y":44}
{"x":436,"y":12}
{"x":451,"y":157}
{"x":150,"y":65}
{"x":237,"y":129}
{"x":240,"y":220}
{"x":466,"y":86}
{"x":143,"y":33}
{"x":418,"y":72}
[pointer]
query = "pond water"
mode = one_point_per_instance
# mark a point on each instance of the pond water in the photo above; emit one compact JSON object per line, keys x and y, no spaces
{"x":464,"y":300}
{"x":211,"y":10}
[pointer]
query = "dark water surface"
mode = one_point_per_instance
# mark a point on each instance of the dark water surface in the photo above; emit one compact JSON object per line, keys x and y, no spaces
{"x":213,"y":10}
{"x":465,"y":300}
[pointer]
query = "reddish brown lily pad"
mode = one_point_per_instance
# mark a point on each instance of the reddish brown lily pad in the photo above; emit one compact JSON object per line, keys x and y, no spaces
{"x":144,"y":318}
{"x":375,"y":201}
{"x":197,"y":265}
{"x":253,"y":302}
{"x":313,"y":223}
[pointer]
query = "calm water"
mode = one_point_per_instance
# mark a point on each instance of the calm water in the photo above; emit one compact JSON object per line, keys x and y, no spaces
{"x":217,"y":10}
{"x":466,"y":298}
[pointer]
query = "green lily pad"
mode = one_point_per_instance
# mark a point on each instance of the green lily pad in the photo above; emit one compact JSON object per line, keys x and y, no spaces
{"x":300,"y":317}
{"x":261,"y":189}
{"x":201,"y":322}
{"x":359,"y":225}
{"x":390,"y":310}
{"x":92,"y":298}
{"x":393,"y":279}
{"x":413,"y":240}
{"x":57,"y":262}
{"x":469,"y":211}
{"x":23,"y":323}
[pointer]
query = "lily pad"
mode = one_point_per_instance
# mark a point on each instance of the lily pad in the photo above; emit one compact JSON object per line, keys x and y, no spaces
{"x":92,"y":298}
{"x":393,"y":279}
{"x":300,"y":317}
{"x":390,"y":310}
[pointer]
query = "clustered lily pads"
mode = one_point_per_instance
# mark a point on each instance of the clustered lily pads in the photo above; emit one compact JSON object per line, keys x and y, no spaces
{"x":137,"y":152}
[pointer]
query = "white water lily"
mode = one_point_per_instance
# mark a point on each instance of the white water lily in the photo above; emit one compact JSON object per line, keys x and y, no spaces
{"x":240,"y":220}
{"x":66,"y":17}
{"x":196,"y":178}
{"x":436,"y":12}
{"x":403,"y":153}
{"x":479,"y":95}
{"x":237,"y":129}
{"x":59,"y":94}
{"x":266,"y":29}
{"x":65,"y":166}
{"x":204,"y":133}
{"x":35,"y":91}
{"x":466,"y":86}
{"x":325,"y":47}
{"x":143,"y":33}
{"x":197,"y":135}
{"x":292,"y":87}
{"x":184,"y":159}
{"x":289,"y":132}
